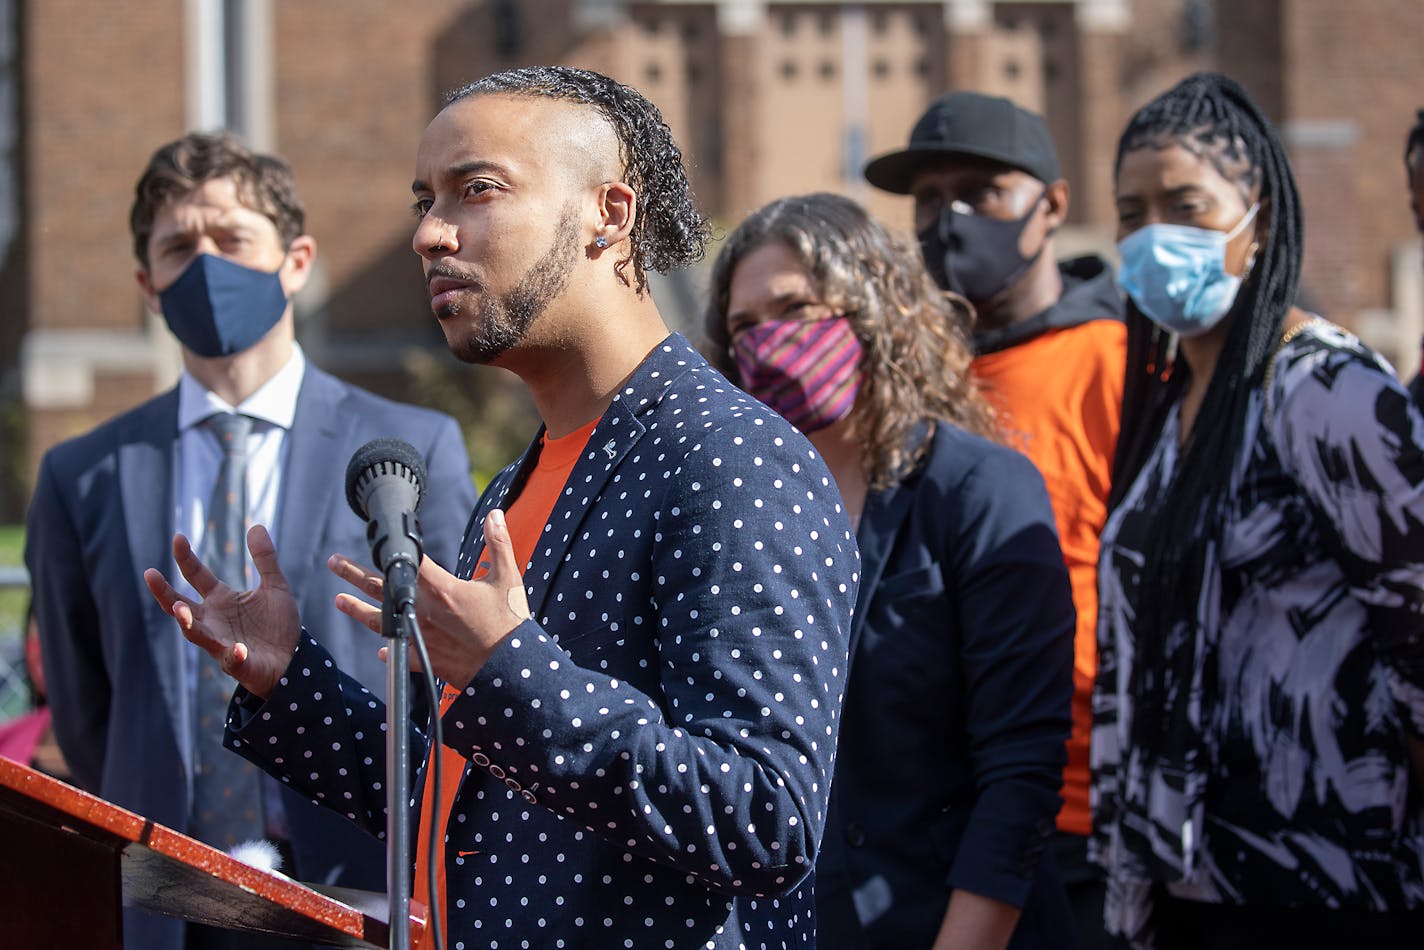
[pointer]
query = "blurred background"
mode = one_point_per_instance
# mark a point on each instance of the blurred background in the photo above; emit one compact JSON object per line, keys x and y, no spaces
{"x":766,"y":98}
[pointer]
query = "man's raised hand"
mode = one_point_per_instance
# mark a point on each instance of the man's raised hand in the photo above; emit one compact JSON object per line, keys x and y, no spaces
{"x":251,"y":633}
{"x":463,"y":622}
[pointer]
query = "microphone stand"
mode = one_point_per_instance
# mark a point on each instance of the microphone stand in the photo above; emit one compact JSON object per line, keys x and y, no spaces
{"x":396,"y":618}
{"x":384,"y":483}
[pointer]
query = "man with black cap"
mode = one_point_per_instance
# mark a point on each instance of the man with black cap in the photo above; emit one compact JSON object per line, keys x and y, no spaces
{"x":1050,"y":349}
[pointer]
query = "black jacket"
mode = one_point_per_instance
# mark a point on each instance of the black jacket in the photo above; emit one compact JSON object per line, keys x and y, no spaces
{"x":1089,"y":293}
{"x":957,"y":707}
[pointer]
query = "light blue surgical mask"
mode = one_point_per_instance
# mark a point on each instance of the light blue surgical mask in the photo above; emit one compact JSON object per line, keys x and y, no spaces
{"x":1177,"y":276}
{"x":218,"y":308}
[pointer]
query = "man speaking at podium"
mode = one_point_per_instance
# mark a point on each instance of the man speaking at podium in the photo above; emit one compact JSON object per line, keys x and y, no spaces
{"x":644,"y":676}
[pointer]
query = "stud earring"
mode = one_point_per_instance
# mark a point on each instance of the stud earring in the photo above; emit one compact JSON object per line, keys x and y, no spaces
{"x":600,"y":241}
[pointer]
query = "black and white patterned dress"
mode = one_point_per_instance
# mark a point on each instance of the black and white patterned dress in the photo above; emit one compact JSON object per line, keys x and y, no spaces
{"x":1296,"y":789}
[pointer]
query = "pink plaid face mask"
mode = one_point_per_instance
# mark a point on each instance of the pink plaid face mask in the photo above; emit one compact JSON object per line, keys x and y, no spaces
{"x":807,"y":370}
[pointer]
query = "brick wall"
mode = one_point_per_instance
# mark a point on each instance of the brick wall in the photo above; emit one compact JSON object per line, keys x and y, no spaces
{"x":1323,"y":157}
{"x":1355,"y":65}
{"x":104,"y":85}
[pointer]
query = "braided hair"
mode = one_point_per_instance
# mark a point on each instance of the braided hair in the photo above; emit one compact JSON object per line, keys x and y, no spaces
{"x":1212,"y":117}
{"x":1414,"y":168}
{"x":669,"y":231}
{"x":1413,"y":145}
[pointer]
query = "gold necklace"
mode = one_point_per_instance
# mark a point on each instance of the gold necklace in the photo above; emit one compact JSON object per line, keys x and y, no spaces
{"x":1296,"y":330}
{"x":1286,"y":337}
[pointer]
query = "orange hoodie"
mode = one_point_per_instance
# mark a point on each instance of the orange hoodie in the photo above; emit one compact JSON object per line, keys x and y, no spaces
{"x":1059,"y":395}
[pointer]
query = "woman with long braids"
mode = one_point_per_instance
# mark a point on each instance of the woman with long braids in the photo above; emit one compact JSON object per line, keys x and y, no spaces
{"x":1261,"y":628}
{"x":956,"y":707}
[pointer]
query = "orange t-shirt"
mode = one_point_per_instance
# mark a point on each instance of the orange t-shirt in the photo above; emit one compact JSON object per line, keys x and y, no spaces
{"x":1059,"y":396}
{"x":525,"y":518}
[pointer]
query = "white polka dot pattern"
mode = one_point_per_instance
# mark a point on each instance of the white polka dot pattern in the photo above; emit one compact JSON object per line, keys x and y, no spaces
{"x":651,"y":753}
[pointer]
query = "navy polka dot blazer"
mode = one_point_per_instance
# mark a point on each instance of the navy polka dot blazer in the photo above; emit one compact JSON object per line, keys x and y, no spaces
{"x":649,"y":757}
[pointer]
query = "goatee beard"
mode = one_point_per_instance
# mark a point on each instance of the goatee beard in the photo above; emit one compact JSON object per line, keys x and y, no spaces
{"x":503,"y":322}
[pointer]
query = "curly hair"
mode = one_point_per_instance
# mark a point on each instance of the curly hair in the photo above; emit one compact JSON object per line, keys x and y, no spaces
{"x":669,"y":231}
{"x":913,"y":335}
{"x":265,"y":183}
{"x":1212,"y":117}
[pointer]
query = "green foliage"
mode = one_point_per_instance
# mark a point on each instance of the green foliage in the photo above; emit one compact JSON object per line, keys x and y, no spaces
{"x":14,"y":426}
{"x":12,"y":544}
{"x":495,"y":413}
{"x":12,"y":600}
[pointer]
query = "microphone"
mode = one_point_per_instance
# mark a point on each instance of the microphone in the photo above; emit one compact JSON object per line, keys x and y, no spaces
{"x":385,"y":482}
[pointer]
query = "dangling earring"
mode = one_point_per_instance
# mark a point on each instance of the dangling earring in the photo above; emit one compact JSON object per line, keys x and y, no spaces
{"x":1250,"y":260}
{"x":600,"y":241}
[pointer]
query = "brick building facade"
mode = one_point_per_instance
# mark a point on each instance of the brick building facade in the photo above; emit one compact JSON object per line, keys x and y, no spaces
{"x":768,"y":98}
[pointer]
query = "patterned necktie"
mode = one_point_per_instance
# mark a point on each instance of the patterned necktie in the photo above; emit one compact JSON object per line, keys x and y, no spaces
{"x":224,"y":541}
{"x":227,"y":796}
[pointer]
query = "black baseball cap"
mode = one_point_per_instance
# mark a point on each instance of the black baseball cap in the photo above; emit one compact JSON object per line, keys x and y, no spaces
{"x":970,"y":123}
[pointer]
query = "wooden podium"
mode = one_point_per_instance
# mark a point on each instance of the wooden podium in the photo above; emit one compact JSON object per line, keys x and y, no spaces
{"x":71,"y":861}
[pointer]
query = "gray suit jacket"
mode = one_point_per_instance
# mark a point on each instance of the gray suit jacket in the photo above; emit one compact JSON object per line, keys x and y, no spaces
{"x":114,"y":664}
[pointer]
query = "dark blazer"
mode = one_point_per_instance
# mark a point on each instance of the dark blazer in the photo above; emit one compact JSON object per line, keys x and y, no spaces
{"x":952,"y":738}
{"x":649,"y":757}
{"x":102,"y":512}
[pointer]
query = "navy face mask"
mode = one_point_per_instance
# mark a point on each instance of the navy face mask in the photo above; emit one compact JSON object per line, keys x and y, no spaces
{"x":974,"y":256}
{"x":218,"y":308}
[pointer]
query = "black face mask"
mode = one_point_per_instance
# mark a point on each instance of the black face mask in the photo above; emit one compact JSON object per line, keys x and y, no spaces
{"x":975,"y":256}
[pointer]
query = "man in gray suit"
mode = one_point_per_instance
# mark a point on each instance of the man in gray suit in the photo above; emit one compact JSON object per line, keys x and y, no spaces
{"x":221,"y":246}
